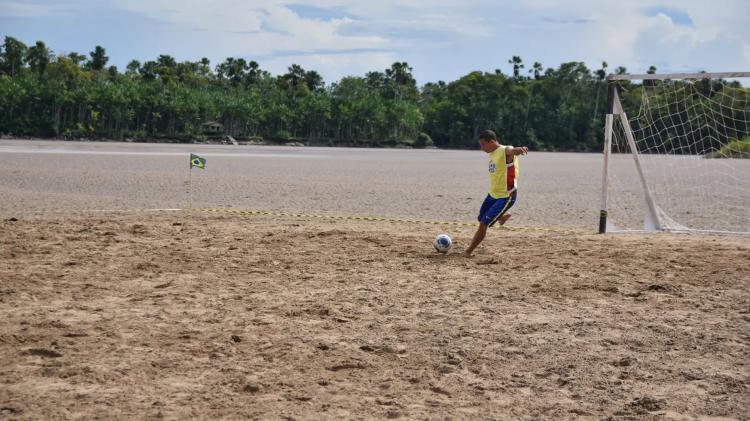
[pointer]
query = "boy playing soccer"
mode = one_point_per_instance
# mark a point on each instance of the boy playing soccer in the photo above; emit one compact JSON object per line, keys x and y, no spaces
{"x":503,"y":176}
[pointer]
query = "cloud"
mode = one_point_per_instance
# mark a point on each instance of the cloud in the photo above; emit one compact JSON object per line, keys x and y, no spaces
{"x":675,"y":47}
{"x":671,"y":34}
{"x":568,"y":21}
{"x":26,"y":9}
{"x":271,"y":32}
{"x":679,"y":17}
{"x":260,"y":28}
{"x":327,"y":52}
{"x":317,"y":24}
{"x":441,"y":39}
{"x":227,"y":15}
{"x":335,"y":66}
{"x":641,"y":34}
{"x":320,"y":13}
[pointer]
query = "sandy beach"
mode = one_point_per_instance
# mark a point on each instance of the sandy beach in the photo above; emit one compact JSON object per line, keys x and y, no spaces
{"x":225,"y":315}
{"x":423,"y":184}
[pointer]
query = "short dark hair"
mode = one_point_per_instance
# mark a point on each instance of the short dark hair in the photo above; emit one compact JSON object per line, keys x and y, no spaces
{"x":488,"y":135}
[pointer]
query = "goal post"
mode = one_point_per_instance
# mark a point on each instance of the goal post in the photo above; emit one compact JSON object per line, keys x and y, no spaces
{"x":677,"y":153}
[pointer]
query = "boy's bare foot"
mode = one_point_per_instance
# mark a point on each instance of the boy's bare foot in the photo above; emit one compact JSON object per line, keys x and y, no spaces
{"x":466,"y":254}
{"x":504,"y":218}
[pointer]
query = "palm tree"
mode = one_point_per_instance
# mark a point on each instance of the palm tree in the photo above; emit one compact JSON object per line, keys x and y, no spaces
{"x":76,"y":58}
{"x":133,"y":67}
{"x":376,"y":81}
{"x":254,"y":73}
{"x":232,"y":69}
{"x":400,"y":73}
{"x":517,"y":65}
{"x":537,"y":69}
{"x":314,"y":80}
{"x":13,"y":56}
{"x":651,"y":70}
{"x":166,"y":61}
{"x":204,"y":67}
{"x":294,"y":77}
{"x":602,"y":73}
{"x":99,"y":58}
{"x":38,"y":58}
{"x":400,"y":81}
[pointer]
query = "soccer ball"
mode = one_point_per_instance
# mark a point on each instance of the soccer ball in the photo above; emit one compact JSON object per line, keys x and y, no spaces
{"x":442,"y":243}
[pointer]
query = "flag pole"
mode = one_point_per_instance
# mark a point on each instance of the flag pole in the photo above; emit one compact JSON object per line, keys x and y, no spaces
{"x":190,"y":189}
{"x":195,"y":161}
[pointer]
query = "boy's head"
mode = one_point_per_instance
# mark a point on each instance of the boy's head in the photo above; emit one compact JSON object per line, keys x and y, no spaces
{"x":488,"y":141}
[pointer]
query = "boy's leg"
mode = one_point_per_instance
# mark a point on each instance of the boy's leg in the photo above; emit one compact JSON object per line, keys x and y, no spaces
{"x":478,"y":237}
{"x":488,"y":203}
{"x":493,"y":213}
{"x":505,"y":215}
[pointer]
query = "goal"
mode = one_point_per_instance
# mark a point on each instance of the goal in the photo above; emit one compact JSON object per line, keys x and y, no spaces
{"x":677,"y":153}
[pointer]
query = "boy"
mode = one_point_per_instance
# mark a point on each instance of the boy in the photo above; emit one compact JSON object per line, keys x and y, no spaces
{"x":503,"y":176}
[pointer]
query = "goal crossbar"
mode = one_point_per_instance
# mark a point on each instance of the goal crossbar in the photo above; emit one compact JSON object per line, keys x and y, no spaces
{"x":723,"y":75}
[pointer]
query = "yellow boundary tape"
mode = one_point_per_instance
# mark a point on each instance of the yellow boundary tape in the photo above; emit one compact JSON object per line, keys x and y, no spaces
{"x":251,"y":212}
{"x":339,"y":217}
{"x":375,"y":218}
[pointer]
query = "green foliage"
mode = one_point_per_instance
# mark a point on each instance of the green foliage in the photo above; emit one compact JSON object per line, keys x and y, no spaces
{"x":13,"y":56}
{"x":98,"y":59}
{"x":736,"y":148}
{"x":283,"y":135}
{"x":38,"y":58}
{"x":70,"y":96}
{"x":423,"y":140}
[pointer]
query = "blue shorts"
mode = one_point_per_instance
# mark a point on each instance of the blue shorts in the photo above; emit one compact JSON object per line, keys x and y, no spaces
{"x":492,"y":209}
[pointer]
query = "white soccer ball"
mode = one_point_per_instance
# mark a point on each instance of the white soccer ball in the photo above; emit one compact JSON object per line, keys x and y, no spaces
{"x":442,"y":243}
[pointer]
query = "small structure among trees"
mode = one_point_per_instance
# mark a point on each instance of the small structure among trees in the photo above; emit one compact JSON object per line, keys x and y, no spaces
{"x":212,"y":127}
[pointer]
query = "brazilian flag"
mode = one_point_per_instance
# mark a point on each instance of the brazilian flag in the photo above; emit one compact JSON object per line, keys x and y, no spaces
{"x":196,"y":161}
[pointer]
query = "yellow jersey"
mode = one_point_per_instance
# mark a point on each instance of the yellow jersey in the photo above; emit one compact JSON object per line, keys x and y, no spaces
{"x":503,"y":176}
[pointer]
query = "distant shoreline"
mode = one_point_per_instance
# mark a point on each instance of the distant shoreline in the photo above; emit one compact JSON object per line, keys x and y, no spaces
{"x":244,"y":142}
{"x":224,"y":141}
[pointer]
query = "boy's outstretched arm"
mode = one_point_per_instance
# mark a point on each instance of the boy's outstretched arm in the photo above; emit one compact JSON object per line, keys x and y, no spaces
{"x":518,"y":150}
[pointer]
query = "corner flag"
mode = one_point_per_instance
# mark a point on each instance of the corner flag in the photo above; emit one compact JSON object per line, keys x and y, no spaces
{"x":196,"y":161}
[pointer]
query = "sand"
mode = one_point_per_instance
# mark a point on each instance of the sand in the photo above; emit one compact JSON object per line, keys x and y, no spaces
{"x":211,"y":316}
{"x":220,"y":315}
{"x":558,"y":189}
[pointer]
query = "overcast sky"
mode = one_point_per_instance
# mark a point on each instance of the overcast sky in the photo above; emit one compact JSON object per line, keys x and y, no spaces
{"x":440,"y":39}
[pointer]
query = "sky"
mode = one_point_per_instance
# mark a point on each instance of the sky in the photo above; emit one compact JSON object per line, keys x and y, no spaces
{"x":440,"y":39}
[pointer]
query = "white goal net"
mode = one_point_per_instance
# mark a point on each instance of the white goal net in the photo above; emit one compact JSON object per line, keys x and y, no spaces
{"x":677,"y":153}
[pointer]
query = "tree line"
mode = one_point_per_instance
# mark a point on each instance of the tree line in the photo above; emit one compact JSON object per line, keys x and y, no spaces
{"x":77,"y":96}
